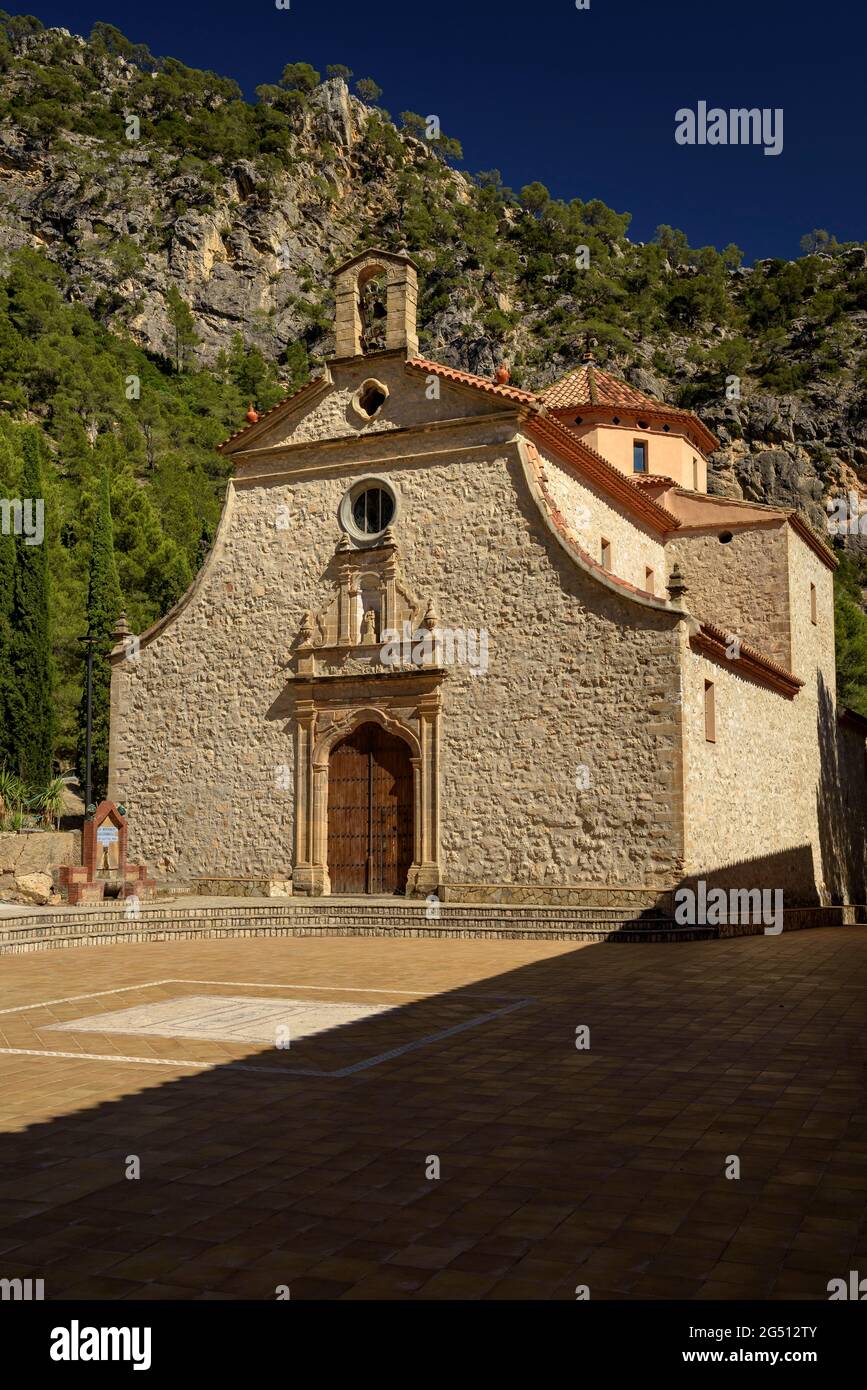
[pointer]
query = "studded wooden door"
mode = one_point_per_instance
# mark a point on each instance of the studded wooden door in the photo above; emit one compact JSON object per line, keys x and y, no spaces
{"x":370,"y":808}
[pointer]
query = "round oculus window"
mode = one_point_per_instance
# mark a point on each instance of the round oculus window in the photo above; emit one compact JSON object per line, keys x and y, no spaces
{"x":372,"y":511}
{"x":367,"y":509}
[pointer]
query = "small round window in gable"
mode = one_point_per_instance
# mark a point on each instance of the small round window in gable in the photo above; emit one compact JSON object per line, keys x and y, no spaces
{"x":369,"y":399}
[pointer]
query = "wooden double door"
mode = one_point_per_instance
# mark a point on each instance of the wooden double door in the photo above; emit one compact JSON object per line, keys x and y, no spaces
{"x":370,"y":813}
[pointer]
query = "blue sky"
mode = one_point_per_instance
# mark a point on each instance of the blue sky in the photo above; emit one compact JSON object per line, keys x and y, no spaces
{"x":584,"y":101}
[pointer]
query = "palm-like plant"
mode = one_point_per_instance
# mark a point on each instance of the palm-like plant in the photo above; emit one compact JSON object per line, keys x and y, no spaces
{"x":50,"y":802}
{"x":13,"y":794}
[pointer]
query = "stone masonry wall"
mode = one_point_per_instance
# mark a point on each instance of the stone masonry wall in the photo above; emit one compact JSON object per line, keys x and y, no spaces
{"x":741,"y":586}
{"x":591,"y":516}
{"x":812,"y":644}
{"x":577,"y":676}
{"x":768,"y":793}
{"x":331,"y":416}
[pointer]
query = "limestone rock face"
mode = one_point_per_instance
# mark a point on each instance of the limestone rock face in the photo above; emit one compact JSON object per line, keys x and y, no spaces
{"x":252,"y":251}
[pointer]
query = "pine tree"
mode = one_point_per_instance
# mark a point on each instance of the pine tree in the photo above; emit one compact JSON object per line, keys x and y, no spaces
{"x":104,"y":605}
{"x":31,"y":695}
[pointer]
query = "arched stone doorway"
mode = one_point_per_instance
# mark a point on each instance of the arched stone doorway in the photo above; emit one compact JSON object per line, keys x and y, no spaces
{"x":370,"y":812}
{"x":328,"y":713}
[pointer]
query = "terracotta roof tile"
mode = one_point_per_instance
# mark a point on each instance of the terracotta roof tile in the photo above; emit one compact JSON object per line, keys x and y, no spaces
{"x":589,"y":388}
{"x":653,"y":480}
{"x":559,"y":521}
{"x":715,"y":641}
{"x":564,"y":442}
{"x":590,"y":385}
{"x":510,"y":393}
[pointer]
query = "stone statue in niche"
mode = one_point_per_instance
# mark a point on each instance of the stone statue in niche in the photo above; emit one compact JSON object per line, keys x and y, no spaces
{"x":368,"y":628}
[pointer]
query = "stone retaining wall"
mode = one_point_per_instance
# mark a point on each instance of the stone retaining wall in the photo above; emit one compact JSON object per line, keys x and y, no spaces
{"x":36,"y":855}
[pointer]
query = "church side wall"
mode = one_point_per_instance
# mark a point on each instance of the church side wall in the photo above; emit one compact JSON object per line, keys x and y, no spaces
{"x":813,"y":652}
{"x":742,"y":586}
{"x":750,"y":796}
{"x":771,"y":803}
{"x":561,"y":763}
{"x":591,"y":516}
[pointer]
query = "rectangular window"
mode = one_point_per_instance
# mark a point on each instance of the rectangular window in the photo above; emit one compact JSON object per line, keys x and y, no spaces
{"x":695,"y":475}
{"x":709,"y":712}
{"x":606,"y":554}
{"x":649,"y":580}
{"x":639,"y":456}
{"x":813,"y":617}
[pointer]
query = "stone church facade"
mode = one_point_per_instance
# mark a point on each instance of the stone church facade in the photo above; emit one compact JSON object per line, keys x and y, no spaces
{"x":454,"y":637}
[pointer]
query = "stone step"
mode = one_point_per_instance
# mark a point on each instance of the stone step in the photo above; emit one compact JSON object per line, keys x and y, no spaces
{"x":94,"y":928}
{"x":354,"y":912}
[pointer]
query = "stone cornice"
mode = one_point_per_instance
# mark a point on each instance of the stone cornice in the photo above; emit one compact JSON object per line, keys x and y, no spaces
{"x":349,"y":444}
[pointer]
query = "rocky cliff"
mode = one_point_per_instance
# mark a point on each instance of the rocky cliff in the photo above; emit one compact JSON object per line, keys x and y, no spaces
{"x":248,"y":232}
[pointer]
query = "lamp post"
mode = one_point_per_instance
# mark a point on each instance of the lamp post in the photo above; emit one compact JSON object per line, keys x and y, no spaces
{"x":89,"y":642}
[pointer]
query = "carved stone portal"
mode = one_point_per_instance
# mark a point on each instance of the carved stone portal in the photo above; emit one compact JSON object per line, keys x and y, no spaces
{"x":341,"y":682}
{"x":368,"y":600}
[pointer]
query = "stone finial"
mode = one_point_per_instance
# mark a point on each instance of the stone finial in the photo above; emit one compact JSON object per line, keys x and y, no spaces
{"x":431,"y":618}
{"x":252,"y":415}
{"x":121,"y":629}
{"x":676,"y":586}
{"x":503,"y":375}
{"x":343,"y":542}
{"x":305,"y":636}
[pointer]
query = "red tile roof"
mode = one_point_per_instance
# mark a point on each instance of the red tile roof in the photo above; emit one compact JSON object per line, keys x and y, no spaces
{"x":562,"y":526}
{"x":590,"y":389}
{"x":552,"y":434}
{"x":256,"y":428}
{"x":509,"y":393}
{"x":715,"y":641}
{"x":590,"y":385}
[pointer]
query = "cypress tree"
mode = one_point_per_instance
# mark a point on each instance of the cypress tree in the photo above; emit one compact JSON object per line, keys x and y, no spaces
{"x":9,"y":469}
{"x":31,"y":695}
{"x":104,"y":605}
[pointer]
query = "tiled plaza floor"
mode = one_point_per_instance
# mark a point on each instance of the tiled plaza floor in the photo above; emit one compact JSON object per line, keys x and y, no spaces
{"x":305,"y":1166}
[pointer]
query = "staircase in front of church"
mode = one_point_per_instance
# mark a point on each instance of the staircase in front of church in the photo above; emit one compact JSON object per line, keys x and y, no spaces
{"x":335,"y":917}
